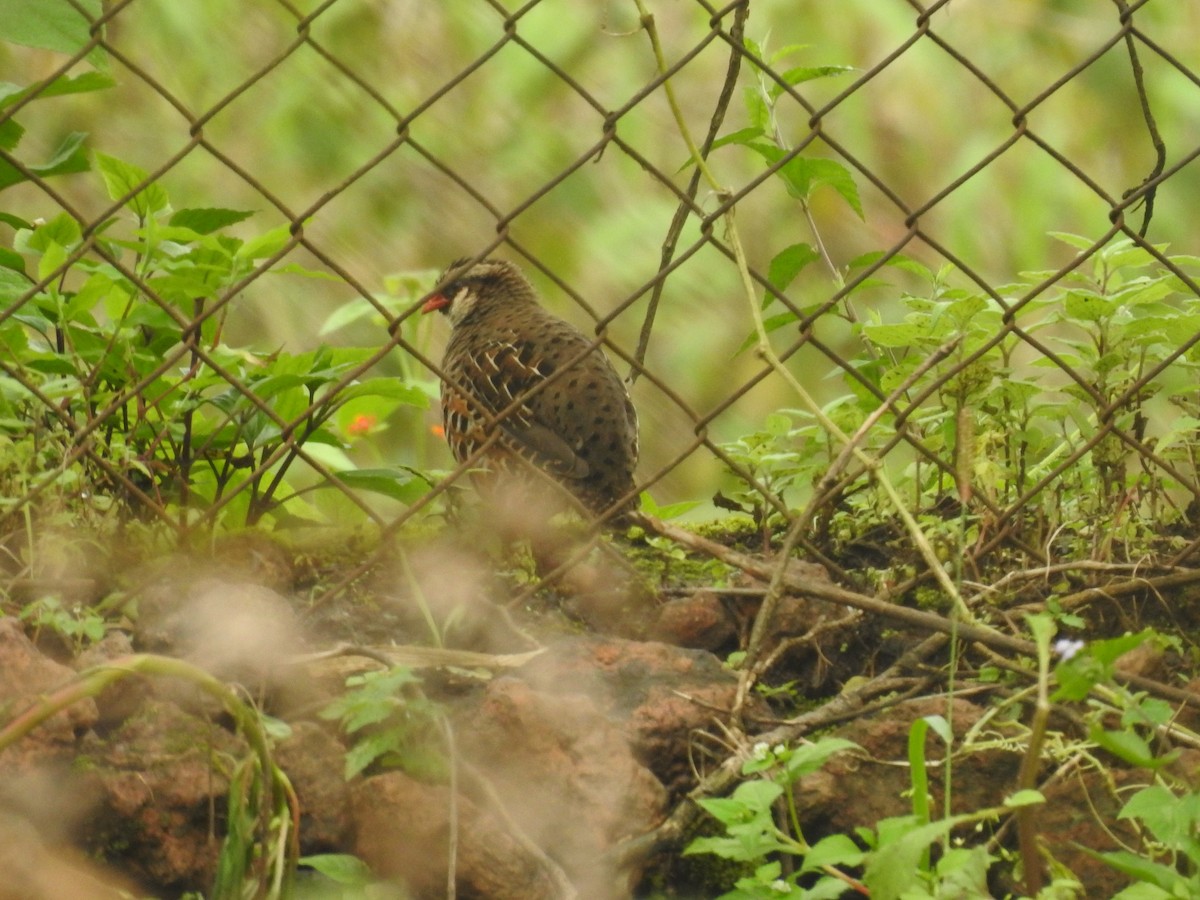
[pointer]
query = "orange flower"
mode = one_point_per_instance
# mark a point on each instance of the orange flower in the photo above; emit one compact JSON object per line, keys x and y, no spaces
{"x":361,"y":424}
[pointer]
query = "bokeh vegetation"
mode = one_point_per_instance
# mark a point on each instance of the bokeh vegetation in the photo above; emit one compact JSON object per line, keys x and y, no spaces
{"x":508,"y":127}
{"x":1009,"y":410}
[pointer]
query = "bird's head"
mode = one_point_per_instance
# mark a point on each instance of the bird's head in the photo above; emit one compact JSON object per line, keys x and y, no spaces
{"x":466,"y":288}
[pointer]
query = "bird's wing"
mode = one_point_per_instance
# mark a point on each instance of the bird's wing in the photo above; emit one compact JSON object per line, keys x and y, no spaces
{"x":506,"y":371}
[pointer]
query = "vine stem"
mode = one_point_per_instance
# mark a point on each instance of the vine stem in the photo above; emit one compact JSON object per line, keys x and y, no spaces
{"x":768,"y":354}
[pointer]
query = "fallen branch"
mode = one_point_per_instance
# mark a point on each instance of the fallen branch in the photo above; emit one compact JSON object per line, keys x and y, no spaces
{"x":680,"y":823}
{"x":801,"y":583}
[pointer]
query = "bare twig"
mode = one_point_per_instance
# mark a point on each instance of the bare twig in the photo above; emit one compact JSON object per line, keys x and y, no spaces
{"x":686,"y":207}
{"x":679,"y":823}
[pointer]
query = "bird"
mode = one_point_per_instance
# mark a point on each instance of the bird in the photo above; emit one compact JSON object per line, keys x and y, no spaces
{"x":534,"y":386}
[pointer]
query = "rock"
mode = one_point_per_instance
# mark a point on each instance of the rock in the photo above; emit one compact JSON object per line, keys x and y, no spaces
{"x":120,"y":699}
{"x":659,"y":695}
{"x":35,"y":871}
{"x":403,"y":833}
{"x":25,"y":675}
{"x":566,"y":775}
{"x":701,"y":622}
{"x":314,"y":761}
{"x":854,"y":789}
{"x":157,"y":785}
{"x":235,"y":630}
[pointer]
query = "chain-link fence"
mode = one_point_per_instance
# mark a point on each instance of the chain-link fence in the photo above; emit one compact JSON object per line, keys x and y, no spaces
{"x":934,"y":261}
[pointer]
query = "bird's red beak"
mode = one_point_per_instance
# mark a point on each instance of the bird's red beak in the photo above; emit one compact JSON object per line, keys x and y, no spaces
{"x":435,"y":302}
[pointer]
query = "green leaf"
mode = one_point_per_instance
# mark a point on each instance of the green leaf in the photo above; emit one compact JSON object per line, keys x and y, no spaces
{"x":1162,"y":812}
{"x":1144,"y":870}
{"x":835,"y":175}
{"x":667,"y":511}
{"x":399,"y":484}
{"x":122,"y":180}
{"x":895,"y":866}
{"x":10,"y":134}
{"x":341,"y":868}
{"x":368,"y":749}
{"x":348,"y":313}
{"x":895,"y":336}
{"x":208,"y":220}
{"x":10,"y":261}
{"x":833,"y":850}
{"x":1027,"y":797}
{"x":391,"y":388}
{"x":801,"y":74}
{"x":1088,"y":307}
{"x":803,"y":175}
{"x":1109,"y":650}
{"x":15,"y":221}
{"x":267,"y":244}
{"x":1073,"y":240}
{"x":47,"y":24}
{"x":58,"y":87}
{"x":770,"y":323}
{"x":741,"y":136}
{"x":808,"y":758}
{"x":1126,"y":745}
{"x":896,"y":260}
{"x":788,"y":263}
{"x":69,"y":157}
{"x":305,"y":272}
{"x":752,"y":45}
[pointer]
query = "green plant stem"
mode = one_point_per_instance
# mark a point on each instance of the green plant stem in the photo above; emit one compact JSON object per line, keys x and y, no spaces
{"x":279,"y":797}
{"x":765,"y":350}
{"x":418,"y":593}
{"x":648,"y":25}
{"x":1027,"y":780}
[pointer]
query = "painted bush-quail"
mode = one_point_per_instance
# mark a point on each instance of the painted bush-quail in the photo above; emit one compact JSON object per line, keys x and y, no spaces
{"x":580,"y":427}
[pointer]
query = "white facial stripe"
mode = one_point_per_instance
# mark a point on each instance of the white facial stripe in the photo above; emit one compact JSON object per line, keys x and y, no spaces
{"x":461,"y":303}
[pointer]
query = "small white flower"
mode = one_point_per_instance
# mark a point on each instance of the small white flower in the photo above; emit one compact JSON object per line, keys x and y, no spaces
{"x":1067,"y":647}
{"x":761,"y":751}
{"x":780,"y":749}
{"x":780,"y":886}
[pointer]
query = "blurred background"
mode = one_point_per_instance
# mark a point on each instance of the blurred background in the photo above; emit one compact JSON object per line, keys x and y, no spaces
{"x":505,"y":106}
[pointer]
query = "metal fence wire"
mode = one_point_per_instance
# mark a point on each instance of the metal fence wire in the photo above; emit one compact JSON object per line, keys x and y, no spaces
{"x":939,"y":250}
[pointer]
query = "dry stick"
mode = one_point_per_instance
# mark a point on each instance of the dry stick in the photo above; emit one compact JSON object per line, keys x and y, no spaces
{"x":1027,"y":829}
{"x":452,"y":812}
{"x":1160,"y":147}
{"x":825,"y":590}
{"x":678,"y":825}
{"x":685,"y":206}
{"x":480,"y":782}
{"x":795,"y":581}
{"x":1043,"y":573}
{"x":766,"y":612}
{"x":1111,"y":591}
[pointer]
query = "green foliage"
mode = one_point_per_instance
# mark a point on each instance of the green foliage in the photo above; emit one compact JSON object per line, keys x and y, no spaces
{"x":1109,"y":327}
{"x":752,"y":833}
{"x":78,"y":625}
{"x":1167,"y":810}
{"x":394,"y":724}
{"x":53,"y":25}
{"x":893,"y":857}
{"x":259,"y":849}
{"x":343,"y":877}
{"x":802,"y":175}
{"x":118,"y":364}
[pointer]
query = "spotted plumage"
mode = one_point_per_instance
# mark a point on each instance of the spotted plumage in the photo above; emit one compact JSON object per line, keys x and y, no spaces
{"x":533,"y":385}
